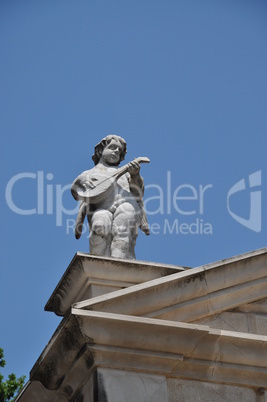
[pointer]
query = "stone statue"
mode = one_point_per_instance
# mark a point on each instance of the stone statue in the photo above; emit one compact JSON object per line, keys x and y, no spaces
{"x":112,"y":199}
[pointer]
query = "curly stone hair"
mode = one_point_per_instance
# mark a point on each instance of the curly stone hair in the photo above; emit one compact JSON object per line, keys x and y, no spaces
{"x":104,"y":142}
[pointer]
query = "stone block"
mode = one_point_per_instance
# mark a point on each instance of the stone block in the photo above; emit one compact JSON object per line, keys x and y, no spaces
{"x":121,"y":386}
{"x":197,"y":391}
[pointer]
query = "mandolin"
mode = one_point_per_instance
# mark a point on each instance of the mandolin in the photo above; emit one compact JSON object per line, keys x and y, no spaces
{"x":102,"y":185}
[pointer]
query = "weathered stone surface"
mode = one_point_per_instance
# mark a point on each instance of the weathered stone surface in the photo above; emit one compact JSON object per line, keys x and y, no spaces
{"x":185,"y":350}
{"x":121,"y":386}
{"x":34,"y":392}
{"x":196,"y":391}
{"x":88,"y":391}
{"x":193,"y":294}
{"x":89,"y":276}
{"x":114,"y":346}
{"x":237,"y":321}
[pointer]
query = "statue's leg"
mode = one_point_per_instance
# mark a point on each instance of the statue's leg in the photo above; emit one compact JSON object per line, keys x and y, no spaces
{"x":100,"y":233}
{"x":124,"y":231}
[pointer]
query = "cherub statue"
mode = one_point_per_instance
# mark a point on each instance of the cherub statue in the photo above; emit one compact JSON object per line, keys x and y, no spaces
{"x":112,"y":199}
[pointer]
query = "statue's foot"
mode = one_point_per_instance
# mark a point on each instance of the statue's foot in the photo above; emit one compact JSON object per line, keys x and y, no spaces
{"x":120,"y":249}
{"x":99,"y":245}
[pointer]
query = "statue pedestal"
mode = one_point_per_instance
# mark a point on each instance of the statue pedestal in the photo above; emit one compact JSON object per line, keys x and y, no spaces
{"x":89,"y":276}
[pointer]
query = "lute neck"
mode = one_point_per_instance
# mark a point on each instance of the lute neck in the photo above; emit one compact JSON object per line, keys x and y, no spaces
{"x":124,"y":169}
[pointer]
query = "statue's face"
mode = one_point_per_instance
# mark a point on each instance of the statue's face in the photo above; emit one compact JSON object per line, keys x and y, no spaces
{"x":112,"y":152}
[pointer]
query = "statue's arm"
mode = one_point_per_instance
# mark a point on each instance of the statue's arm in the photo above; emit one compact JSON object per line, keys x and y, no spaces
{"x":136,"y":183}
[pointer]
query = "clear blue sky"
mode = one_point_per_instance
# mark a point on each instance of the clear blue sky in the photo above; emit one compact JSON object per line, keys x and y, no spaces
{"x":183,"y":81}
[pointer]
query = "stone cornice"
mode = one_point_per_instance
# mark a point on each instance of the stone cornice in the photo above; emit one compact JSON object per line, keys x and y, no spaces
{"x":90,"y":339}
{"x":175,"y":349}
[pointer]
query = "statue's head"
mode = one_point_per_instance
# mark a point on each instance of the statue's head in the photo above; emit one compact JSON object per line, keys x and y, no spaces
{"x":106,"y":141}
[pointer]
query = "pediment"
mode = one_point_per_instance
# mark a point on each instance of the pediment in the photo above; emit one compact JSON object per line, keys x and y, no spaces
{"x":195,"y":294}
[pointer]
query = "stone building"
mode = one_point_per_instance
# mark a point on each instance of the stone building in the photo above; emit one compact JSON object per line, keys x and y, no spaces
{"x":135,"y":331}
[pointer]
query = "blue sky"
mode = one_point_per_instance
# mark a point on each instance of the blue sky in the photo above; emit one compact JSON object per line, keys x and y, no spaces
{"x":184,"y":82}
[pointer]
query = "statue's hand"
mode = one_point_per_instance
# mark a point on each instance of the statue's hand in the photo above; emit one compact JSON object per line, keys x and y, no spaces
{"x":85,"y":184}
{"x":88,"y":184}
{"x":134,"y":168}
